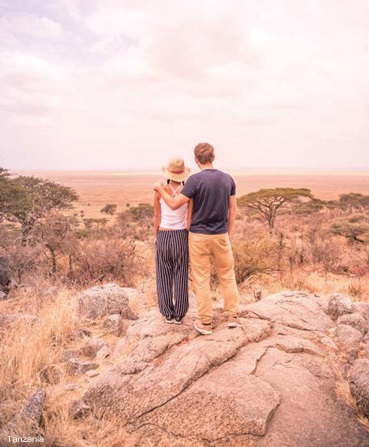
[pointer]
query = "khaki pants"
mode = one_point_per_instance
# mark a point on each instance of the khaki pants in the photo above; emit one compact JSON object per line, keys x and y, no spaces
{"x":202,"y":248}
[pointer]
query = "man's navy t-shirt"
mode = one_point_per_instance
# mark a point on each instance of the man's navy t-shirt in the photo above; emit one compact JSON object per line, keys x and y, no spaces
{"x":210,"y":190}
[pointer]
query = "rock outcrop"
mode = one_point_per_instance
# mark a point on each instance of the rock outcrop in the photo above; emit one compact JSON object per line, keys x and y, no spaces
{"x":269,"y":383}
{"x":105,"y":300}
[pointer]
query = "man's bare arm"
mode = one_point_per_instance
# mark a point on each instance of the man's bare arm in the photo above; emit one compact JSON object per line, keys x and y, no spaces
{"x":173,"y":202}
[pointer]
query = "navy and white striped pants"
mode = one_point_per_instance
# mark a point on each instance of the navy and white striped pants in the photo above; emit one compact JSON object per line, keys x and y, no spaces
{"x":172,"y":272}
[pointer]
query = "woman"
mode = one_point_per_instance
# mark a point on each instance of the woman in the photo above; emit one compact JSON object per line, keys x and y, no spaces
{"x":171,"y":232}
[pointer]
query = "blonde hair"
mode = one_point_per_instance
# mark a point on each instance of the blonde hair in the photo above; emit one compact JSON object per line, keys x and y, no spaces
{"x":204,"y":152}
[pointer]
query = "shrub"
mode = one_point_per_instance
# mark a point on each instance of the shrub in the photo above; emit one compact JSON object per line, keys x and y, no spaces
{"x":254,"y":257}
{"x":109,"y":258}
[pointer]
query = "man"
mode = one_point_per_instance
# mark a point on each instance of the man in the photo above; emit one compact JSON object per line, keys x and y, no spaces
{"x":214,"y":212}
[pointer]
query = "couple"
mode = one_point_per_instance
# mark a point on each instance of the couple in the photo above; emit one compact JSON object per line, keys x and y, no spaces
{"x":206,"y":204}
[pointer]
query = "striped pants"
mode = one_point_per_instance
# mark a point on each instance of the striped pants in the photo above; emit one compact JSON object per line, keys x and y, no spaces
{"x":172,"y":272}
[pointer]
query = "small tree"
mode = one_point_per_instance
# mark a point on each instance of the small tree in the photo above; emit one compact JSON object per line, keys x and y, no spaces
{"x":109,"y":208}
{"x":26,"y":200}
{"x":254,"y":258}
{"x":270,"y":203}
{"x":354,"y":228}
{"x":4,"y":184}
{"x":56,"y":233}
{"x":353,"y":202}
{"x":307,"y":208}
{"x":93,"y":224}
{"x":141,"y":213}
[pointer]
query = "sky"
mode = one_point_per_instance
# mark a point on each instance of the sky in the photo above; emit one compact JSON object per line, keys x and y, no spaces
{"x":128,"y":84}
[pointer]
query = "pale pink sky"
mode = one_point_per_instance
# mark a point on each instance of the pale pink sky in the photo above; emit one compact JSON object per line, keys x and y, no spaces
{"x":114,"y":84}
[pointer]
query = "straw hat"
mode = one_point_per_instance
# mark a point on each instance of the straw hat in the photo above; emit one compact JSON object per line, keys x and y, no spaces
{"x":176,"y":170}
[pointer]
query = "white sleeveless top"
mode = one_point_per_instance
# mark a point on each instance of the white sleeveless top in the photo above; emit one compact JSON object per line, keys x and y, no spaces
{"x":173,"y":219}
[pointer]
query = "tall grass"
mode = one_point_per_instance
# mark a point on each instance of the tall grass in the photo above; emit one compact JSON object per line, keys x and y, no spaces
{"x":30,"y":357}
{"x":30,"y":350}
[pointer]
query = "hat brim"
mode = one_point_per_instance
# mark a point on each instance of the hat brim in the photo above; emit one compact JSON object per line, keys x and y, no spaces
{"x":176,"y":177}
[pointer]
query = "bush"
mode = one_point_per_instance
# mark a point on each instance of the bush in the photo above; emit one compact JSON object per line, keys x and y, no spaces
{"x":254,"y":256}
{"x":142,"y":212}
{"x":104,"y":260}
{"x":25,"y":261}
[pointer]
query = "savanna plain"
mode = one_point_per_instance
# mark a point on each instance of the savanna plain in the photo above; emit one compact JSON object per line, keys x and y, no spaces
{"x":97,"y":188}
{"x":316,"y":240}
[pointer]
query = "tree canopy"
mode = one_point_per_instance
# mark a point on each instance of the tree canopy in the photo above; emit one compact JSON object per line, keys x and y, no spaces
{"x":355,"y":228}
{"x":26,"y":199}
{"x":141,"y":212}
{"x":269,"y":203}
{"x":351,"y":202}
{"x":109,"y":208}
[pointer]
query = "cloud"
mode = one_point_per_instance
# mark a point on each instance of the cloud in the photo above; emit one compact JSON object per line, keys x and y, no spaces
{"x":30,"y":26}
{"x":31,"y":85}
{"x":107,"y":80}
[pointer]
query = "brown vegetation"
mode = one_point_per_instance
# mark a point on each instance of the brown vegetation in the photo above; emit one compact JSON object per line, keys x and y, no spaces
{"x":322,"y":249}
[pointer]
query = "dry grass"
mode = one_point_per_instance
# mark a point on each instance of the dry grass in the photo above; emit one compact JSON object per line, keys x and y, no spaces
{"x":31,"y":346}
{"x":309,"y":282}
{"x":356,"y":288}
{"x":30,"y":357}
{"x":30,"y":353}
{"x":63,"y":431}
{"x":342,"y":385}
{"x":343,"y":392}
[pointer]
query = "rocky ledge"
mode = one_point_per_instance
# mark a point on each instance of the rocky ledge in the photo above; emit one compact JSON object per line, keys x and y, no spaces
{"x":270,"y":383}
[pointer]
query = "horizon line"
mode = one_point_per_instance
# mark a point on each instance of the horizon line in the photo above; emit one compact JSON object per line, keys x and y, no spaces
{"x":234,"y":169}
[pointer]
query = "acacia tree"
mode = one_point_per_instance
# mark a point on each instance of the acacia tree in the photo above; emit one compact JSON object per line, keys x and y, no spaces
{"x":313,"y":206}
{"x":9,"y":192}
{"x":27,"y":199}
{"x":57,"y":234}
{"x":4,"y":177}
{"x":351,"y":202}
{"x":355,"y":228}
{"x":109,"y":208}
{"x":141,"y":212}
{"x":270,"y":203}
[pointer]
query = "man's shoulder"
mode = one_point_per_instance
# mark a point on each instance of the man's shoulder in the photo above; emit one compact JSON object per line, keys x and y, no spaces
{"x":226,"y":175}
{"x":208,"y":173}
{"x":193,"y":178}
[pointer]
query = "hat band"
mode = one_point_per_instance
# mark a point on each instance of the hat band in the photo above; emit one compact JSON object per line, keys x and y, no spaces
{"x":177,"y":172}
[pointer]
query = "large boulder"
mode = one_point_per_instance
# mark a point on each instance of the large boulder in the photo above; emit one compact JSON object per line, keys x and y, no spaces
{"x":115,"y":325}
{"x":268,"y":383}
{"x":349,"y":339}
{"x":355,"y":320}
{"x":339,"y":304}
{"x":104,"y":300}
{"x":297,"y":311}
{"x":363,"y":309}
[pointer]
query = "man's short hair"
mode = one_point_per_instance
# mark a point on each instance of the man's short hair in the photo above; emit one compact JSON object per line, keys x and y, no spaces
{"x":204,"y":152}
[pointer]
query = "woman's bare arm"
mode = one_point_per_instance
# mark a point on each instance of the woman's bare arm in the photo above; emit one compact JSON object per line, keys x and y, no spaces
{"x":157,"y":213}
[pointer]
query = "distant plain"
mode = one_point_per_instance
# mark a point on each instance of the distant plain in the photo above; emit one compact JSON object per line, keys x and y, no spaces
{"x":98,"y":188}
